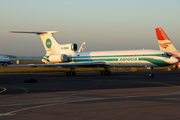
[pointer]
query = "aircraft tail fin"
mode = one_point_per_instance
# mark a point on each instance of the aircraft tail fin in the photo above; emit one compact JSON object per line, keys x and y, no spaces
{"x":165,"y":43}
{"x":81,"y":49}
{"x":50,"y":44}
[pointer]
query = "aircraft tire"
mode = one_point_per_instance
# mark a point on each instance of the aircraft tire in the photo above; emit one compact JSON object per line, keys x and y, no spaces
{"x":109,"y":72}
{"x":105,"y":73}
{"x":151,"y":74}
{"x":67,"y":73}
{"x":70,"y":73}
{"x":73,"y":73}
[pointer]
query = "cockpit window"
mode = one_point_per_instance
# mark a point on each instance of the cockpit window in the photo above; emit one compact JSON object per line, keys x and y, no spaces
{"x":166,"y":54}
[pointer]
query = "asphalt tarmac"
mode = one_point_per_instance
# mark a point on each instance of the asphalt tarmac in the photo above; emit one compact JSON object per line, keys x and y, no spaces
{"x":122,"y":95}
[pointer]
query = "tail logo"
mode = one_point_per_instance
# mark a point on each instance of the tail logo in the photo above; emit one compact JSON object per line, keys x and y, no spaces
{"x":165,"y":45}
{"x":48,"y":43}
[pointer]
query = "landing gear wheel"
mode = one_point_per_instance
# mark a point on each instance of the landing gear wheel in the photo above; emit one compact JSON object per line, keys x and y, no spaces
{"x":151,"y":74}
{"x":70,"y":73}
{"x":66,"y":73}
{"x":73,"y":73}
{"x":105,"y":73}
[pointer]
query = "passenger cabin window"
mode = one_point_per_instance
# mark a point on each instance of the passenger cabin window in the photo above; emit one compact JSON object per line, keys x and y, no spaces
{"x":166,"y":54}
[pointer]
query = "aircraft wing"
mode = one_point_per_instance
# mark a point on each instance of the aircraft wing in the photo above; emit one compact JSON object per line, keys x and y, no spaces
{"x":66,"y":65}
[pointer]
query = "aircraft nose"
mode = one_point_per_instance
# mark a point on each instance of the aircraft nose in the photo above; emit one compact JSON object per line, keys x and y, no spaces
{"x":173,"y":60}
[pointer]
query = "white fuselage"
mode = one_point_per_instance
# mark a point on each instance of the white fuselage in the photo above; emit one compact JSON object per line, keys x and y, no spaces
{"x":125,"y":58}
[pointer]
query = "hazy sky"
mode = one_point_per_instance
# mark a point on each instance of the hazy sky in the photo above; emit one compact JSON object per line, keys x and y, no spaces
{"x":102,"y":24}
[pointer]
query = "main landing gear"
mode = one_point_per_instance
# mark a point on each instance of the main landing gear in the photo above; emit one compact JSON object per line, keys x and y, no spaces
{"x":106,"y":72}
{"x":71,"y":72}
{"x":151,"y":74}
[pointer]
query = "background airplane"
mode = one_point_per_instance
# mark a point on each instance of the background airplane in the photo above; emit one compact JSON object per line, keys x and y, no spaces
{"x":165,"y":43}
{"x":4,"y":60}
{"x":65,"y":55}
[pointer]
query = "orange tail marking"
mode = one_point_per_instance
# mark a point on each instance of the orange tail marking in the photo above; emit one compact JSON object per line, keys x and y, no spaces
{"x":161,"y":35}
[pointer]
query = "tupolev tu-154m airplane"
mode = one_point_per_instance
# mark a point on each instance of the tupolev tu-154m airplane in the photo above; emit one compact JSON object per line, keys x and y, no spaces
{"x":65,"y":55}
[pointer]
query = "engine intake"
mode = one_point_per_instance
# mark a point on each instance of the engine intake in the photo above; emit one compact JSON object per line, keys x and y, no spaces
{"x":73,"y":46}
{"x":69,"y":47}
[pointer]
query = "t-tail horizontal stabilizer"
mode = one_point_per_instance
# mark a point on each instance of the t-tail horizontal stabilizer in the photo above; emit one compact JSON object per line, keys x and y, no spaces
{"x":43,"y":32}
{"x":50,"y":44}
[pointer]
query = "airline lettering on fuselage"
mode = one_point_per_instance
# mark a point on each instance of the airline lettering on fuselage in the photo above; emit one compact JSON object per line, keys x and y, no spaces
{"x":64,"y":47}
{"x":127,"y":59}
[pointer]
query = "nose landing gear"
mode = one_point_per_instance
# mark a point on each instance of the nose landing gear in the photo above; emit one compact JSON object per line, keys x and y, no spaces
{"x":151,"y":74}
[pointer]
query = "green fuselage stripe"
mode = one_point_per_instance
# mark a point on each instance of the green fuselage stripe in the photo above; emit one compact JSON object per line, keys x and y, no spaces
{"x":155,"y":55}
{"x":155,"y":61}
{"x":121,"y":58}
